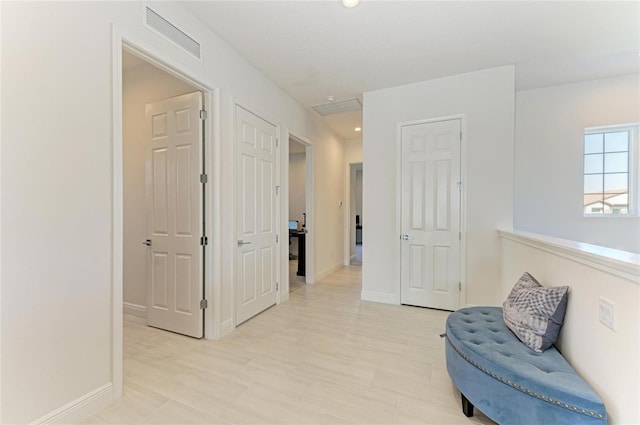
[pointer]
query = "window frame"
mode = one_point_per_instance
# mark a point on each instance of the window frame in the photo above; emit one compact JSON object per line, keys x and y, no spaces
{"x":633,"y":171}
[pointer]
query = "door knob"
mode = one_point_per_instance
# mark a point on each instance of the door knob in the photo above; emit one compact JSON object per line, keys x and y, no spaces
{"x":241,"y":242}
{"x":405,"y":237}
{"x":147,"y":242}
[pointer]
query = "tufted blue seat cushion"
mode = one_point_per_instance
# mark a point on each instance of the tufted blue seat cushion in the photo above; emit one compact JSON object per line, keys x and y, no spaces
{"x":549,"y":388}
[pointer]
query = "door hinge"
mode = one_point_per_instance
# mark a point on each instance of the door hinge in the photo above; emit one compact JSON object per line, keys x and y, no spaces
{"x":203,"y":304}
{"x":204,"y":241}
{"x":277,"y":239}
{"x":277,"y":190}
{"x":460,"y":186}
{"x":277,"y":142}
{"x":203,"y":115}
{"x":204,"y":178}
{"x":459,"y":236}
{"x":459,"y":286}
{"x":277,"y":286}
{"x":461,"y":136}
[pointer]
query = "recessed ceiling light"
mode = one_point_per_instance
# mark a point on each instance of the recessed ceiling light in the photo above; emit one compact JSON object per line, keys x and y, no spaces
{"x":350,"y":3}
{"x":357,"y":129}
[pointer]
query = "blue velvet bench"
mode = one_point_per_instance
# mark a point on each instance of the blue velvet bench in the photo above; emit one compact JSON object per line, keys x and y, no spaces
{"x":510,"y":383}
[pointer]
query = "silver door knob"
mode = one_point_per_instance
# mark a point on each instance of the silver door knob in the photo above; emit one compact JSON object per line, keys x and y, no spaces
{"x":241,"y":242}
{"x":405,"y":237}
{"x":147,"y":242}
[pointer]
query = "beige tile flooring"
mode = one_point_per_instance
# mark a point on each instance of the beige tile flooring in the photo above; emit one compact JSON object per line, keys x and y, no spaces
{"x":295,"y":281}
{"x":322,"y":357}
{"x":356,"y":260}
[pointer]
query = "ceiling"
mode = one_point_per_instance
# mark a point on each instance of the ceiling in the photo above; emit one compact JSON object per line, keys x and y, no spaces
{"x":315,"y":49}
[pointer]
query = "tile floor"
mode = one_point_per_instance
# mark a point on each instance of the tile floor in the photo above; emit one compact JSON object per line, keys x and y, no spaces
{"x":322,"y":357}
{"x":356,"y":260}
{"x":295,"y":281}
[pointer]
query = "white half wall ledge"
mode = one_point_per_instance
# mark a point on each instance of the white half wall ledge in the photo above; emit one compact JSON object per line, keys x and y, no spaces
{"x":613,"y":261}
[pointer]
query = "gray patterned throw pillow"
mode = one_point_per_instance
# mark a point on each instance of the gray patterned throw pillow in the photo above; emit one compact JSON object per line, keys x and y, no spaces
{"x":535,"y":313}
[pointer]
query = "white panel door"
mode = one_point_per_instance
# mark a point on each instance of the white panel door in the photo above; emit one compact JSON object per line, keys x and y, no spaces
{"x":174,"y":214}
{"x":430,"y":249}
{"x":256,"y":255}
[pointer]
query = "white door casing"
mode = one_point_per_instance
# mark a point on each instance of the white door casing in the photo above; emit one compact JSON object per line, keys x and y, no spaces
{"x":257,"y":254}
{"x":430,"y":214}
{"x":175,"y":214}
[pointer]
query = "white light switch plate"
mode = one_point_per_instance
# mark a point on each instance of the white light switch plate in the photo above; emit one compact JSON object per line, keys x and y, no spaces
{"x":607,"y":313}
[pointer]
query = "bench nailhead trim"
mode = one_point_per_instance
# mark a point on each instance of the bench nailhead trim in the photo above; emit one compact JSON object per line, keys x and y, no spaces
{"x":526,"y":390}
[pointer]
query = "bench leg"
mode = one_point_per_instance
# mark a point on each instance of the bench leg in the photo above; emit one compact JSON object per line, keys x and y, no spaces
{"x":467,"y":407}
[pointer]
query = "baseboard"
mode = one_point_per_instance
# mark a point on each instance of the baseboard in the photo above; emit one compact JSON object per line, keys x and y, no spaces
{"x":283,"y":296}
{"x":380,"y":297}
{"x":134,"y":310}
{"x":226,"y":328}
{"x":319,"y":276}
{"x":80,"y":408}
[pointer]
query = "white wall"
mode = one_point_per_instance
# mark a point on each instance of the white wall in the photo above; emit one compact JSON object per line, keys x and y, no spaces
{"x":297,"y":183}
{"x":329,"y":202}
{"x":606,"y":359}
{"x":352,"y":151}
{"x":140,"y":85}
{"x":297,"y":189}
{"x":57,"y":188}
{"x":550,"y":124}
{"x":486,"y":99}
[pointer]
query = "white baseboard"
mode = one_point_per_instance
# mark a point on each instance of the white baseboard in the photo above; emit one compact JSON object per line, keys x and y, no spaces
{"x":134,"y":310}
{"x":380,"y":297}
{"x":319,"y":276}
{"x":226,"y":327}
{"x":80,"y":408}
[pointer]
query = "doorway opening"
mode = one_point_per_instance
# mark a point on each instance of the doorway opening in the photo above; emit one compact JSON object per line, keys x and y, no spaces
{"x":145,"y":200}
{"x":299,"y":213}
{"x":356,"y":216}
{"x":130,"y":50}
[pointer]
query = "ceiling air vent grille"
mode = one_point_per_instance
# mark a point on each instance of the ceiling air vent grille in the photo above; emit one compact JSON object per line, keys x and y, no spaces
{"x":347,"y":105}
{"x":171,"y":32}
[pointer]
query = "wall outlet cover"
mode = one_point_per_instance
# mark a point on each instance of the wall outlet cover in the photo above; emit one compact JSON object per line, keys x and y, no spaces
{"x":606,"y":313}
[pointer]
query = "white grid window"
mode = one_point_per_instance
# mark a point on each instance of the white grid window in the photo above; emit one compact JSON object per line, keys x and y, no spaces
{"x":609,"y":170}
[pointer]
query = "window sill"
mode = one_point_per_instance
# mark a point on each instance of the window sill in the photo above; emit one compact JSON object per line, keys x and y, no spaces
{"x":611,"y":216}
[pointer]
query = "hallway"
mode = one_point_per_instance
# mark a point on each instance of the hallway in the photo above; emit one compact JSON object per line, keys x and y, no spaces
{"x":322,"y":357}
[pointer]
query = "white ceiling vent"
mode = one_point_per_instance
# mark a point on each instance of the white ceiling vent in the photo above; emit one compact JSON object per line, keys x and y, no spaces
{"x":172,"y":33}
{"x":347,"y":105}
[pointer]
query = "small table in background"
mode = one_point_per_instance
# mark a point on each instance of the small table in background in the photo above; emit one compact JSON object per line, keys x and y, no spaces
{"x":300,"y":234}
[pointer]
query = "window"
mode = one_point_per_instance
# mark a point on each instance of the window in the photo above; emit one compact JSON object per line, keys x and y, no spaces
{"x":610,"y":170}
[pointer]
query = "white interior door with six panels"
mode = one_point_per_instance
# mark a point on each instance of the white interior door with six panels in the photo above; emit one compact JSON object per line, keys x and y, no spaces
{"x":430,"y":249}
{"x":256,"y":255}
{"x":174,"y":214}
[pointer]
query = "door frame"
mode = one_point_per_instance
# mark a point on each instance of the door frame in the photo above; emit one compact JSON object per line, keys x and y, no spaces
{"x":463,"y":200}
{"x":308,"y":206}
{"x":121,"y":40}
{"x":258,"y":112}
